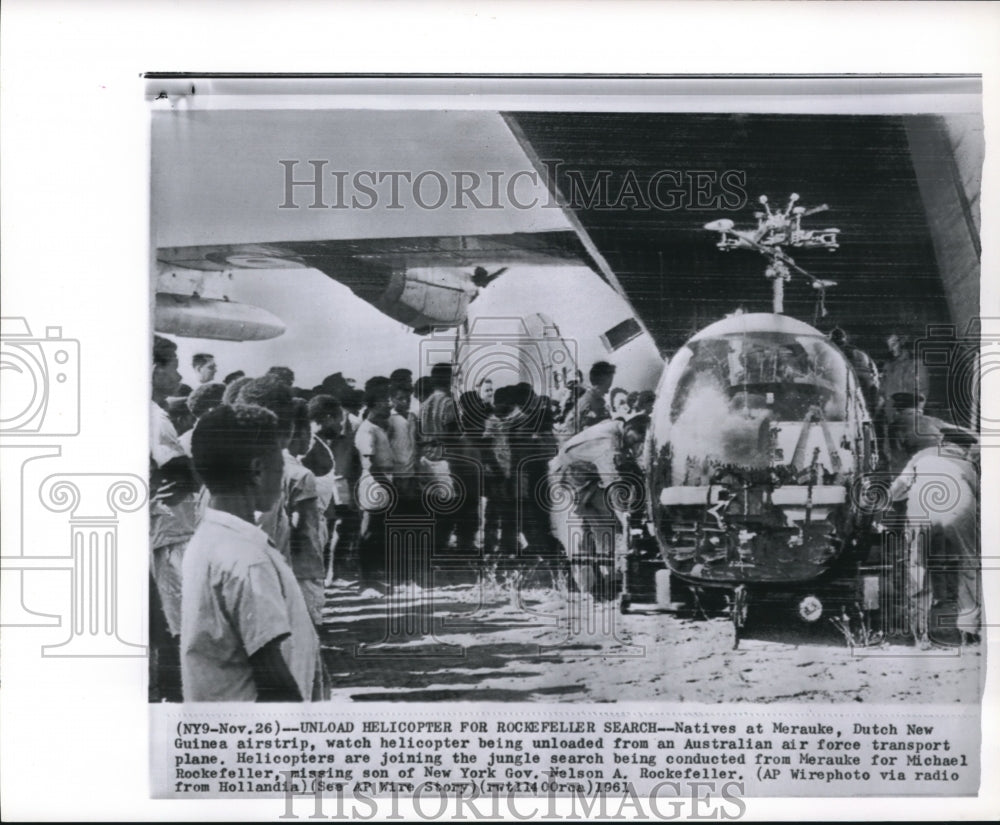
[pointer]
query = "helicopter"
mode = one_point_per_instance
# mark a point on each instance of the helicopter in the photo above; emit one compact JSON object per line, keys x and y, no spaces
{"x":760,"y":446}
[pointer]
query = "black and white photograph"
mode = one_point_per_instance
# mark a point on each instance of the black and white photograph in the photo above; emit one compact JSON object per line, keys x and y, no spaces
{"x":579,"y":403}
{"x":550,"y":411}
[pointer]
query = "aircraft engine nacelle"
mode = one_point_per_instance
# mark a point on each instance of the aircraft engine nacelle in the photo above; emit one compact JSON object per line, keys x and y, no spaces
{"x":193,"y":317}
{"x":195,"y":303}
{"x":427,"y":297}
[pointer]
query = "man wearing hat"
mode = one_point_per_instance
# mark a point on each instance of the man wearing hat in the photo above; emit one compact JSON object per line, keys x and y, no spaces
{"x":910,"y":429}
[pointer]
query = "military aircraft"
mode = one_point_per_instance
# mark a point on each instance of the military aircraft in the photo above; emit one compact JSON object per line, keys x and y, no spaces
{"x":408,"y":243}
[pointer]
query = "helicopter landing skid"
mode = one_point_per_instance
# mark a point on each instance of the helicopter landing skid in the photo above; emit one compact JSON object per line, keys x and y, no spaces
{"x":738,"y":609}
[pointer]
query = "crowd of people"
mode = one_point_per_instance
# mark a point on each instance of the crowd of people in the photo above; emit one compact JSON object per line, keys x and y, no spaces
{"x":928,"y":458}
{"x":266,"y":494}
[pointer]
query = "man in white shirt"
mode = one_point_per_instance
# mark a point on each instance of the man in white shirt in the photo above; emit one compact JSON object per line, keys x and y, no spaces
{"x":173,"y":517}
{"x":585,"y":468}
{"x":941,"y":487}
{"x":292,"y":522}
{"x":402,"y":432}
{"x":246,"y":634}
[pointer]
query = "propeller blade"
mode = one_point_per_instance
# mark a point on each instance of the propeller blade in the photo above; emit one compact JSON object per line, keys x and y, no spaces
{"x":481,"y":278}
{"x":815,"y":210}
{"x":818,"y":283}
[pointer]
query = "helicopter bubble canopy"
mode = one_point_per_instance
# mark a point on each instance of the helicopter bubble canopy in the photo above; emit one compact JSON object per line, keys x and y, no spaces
{"x":758,"y":434}
{"x":756,"y":392}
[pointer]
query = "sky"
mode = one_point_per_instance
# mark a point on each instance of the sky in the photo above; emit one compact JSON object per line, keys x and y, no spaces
{"x":329,"y":329}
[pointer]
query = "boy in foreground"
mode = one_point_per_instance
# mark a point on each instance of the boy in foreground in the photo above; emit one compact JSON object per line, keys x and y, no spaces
{"x":246,"y":634}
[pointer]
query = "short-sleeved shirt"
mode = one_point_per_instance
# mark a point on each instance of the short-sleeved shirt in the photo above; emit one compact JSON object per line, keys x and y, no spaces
{"x":403,"y":441}
{"x":372,"y":440}
{"x":164,"y":442}
{"x":937,"y":474}
{"x":185,"y":441}
{"x":169,"y":524}
{"x":438,"y":417}
{"x":298,"y":484}
{"x":590,"y":455}
{"x":239,"y":594}
{"x":306,"y":536}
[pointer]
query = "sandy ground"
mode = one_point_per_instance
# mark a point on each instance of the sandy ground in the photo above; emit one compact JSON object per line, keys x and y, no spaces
{"x":498,"y":642}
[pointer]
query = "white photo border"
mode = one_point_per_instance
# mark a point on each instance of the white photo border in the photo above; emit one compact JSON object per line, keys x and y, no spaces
{"x":75,"y":254}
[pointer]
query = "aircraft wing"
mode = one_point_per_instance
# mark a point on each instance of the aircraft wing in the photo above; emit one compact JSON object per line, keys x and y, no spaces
{"x":368,"y":265}
{"x":398,"y":206}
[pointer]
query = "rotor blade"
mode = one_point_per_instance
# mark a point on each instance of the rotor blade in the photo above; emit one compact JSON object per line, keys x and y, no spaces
{"x":778,"y":254}
{"x":721,"y":225}
{"x":816,"y":209}
{"x":819,"y":283}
